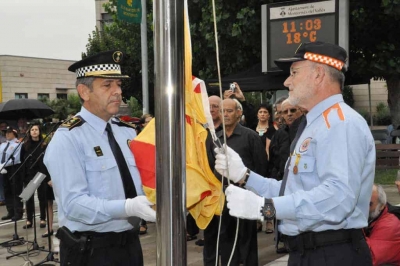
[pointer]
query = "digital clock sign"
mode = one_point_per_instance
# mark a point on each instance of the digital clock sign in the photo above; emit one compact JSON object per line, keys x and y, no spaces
{"x":287,"y":25}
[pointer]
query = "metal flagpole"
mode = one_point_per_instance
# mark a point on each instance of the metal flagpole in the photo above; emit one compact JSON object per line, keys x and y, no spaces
{"x":170,"y":131}
{"x":145,"y":71}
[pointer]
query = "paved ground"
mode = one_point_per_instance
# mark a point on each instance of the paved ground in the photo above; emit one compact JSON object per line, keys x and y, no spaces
{"x":267,"y":255}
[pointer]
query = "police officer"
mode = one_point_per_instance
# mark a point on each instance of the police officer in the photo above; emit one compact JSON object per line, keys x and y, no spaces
{"x":321,"y":204}
{"x":96,"y":182}
{"x":10,"y":152}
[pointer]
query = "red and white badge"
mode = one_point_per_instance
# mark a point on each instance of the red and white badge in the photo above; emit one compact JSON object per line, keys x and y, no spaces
{"x":304,"y":145}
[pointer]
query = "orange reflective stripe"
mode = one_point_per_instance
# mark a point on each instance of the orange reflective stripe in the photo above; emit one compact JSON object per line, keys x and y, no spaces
{"x":325,"y":114}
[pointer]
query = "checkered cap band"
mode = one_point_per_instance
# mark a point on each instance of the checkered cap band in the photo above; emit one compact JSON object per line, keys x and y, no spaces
{"x":102,"y":69}
{"x":324,"y":60}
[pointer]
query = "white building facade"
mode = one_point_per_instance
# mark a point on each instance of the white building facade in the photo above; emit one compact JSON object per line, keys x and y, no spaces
{"x":35,"y":78}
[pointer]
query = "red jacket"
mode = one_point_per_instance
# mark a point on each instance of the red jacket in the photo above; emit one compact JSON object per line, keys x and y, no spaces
{"x":384,"y":239}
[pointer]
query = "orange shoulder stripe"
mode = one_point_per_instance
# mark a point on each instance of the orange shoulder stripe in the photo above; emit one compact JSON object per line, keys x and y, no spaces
{"x":339,"y":110}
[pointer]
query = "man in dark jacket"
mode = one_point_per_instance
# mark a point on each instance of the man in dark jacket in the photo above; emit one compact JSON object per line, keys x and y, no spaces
{"x":248,"y":144}
{"x":280,"y":143}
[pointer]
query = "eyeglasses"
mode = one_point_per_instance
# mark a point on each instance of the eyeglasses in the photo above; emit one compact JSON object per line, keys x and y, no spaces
{"x":293,"y":70}
{"x":292,"y":110}
{"x":214,"y":106}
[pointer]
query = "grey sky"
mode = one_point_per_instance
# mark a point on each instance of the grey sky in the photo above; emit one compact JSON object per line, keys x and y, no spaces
{"x":56,"y":29}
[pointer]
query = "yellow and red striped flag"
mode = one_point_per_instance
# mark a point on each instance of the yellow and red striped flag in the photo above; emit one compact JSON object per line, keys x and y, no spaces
{"x":203,"y":190}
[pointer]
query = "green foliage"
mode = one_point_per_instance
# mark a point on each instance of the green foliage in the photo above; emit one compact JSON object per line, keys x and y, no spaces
{"x":239,"y":36}
{"x":376,"y":56}
{"x":64,"y":107}
{"x":74,"y":103}
{"x":366,"y":115}
{"x":126,"y":37}
{"x":382,"y":116}
{"x":385,"y":177}
{"x":135,"y":107}
{"x":348,"y":95}
{"x":374,"y":42}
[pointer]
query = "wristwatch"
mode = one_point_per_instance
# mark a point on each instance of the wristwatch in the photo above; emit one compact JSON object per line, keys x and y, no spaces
{"x":268,"y":211}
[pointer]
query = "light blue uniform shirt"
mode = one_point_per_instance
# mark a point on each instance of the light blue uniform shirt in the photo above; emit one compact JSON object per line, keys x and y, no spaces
{"x":87,"y":185}
{"x":10,"y":149}
{"x":335,"y":173}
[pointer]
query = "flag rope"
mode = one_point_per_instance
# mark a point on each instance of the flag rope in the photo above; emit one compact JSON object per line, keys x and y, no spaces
{"x":224,"y":149}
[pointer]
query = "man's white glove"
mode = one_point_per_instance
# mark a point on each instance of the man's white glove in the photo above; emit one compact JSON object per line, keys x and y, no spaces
{"x":244,"y":203}
{"x":233,"y":167}
{"x":3,"y":171}
{"x":140,"y":207}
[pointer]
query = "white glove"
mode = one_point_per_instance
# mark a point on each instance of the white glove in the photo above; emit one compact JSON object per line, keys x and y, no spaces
{"x":233,"y":168}
{"x":3,"y":171}
{"x":140,"y":207}
{"x":244,"y":203}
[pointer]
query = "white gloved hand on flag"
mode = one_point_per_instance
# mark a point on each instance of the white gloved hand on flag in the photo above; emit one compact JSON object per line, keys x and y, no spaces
{"x":243,"y":203}
{"x":140,"y":207}
{"x":229,"y":164}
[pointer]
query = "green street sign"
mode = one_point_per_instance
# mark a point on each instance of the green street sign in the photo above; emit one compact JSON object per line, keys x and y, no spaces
{"x":130,"y":11}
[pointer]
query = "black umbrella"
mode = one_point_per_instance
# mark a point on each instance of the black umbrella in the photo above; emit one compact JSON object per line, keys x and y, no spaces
{"x":28,"y":108}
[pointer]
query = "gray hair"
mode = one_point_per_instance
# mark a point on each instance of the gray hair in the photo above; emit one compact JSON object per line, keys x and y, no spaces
{"x":335,"y":74}
{"x":381,"y":194}
{"x":88,"y":82}
{"x":280,"y":100}
{"x":238,"y":105}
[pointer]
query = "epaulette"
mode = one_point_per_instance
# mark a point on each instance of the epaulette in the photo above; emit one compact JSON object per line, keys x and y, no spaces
{"x":75,"y":121}
{"x":121,"y":123}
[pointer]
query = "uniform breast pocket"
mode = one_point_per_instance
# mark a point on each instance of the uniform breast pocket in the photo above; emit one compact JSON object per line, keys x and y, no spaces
{"x":131,"y":162}
{"x":306,"y":171}
{"x":99,"y":175}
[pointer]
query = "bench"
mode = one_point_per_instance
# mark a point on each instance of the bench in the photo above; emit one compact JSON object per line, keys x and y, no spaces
{"x":387,"y":156}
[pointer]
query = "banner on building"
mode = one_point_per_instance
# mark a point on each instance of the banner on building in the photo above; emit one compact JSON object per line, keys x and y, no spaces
{"x":130,"y":11}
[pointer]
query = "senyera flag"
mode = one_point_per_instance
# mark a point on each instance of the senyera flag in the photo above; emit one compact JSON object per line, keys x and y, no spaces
{"x":204,"y":196}
{"x":203,"y":189}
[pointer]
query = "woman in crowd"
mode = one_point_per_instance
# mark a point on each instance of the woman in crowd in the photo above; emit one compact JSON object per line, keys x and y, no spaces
{"x":266,"y":130}
{"x":265,"y":127}
{"x":33,"y":153}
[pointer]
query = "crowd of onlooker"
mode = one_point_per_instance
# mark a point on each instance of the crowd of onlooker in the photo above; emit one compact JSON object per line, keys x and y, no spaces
{"x":276,"y":127}
{"x":23,"y":144}
{"x":262,"y":136}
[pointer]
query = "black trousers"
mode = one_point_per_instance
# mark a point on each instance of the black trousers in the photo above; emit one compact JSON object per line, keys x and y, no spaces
{"x":246,"y":249}
{"x":12,"y":190}
{"x":344,"y":254}
{"x":128,"y":254}
{"x":191,"y":226}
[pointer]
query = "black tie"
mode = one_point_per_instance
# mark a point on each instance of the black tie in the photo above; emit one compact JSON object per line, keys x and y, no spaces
{"x":300,"y":130}
{"x":129,"y":186}
{"x":3,"y":157}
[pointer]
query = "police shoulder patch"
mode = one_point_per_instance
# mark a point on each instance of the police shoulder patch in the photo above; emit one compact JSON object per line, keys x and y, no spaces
{"x":75,"y":121}
{"x":121,"y":123}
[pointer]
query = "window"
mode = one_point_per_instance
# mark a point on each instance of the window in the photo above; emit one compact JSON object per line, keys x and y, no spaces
{"x":21,"y":95}
{"x":42,"y":96}
{"x":62,"y":96}
{"x":106,"y":19}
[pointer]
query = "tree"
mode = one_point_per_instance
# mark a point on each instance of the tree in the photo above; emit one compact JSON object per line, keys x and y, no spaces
{"x":126,"y":37}
{"x":239,"y":24}
{"x":64,"y":107}
{"x":375,"y":45}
